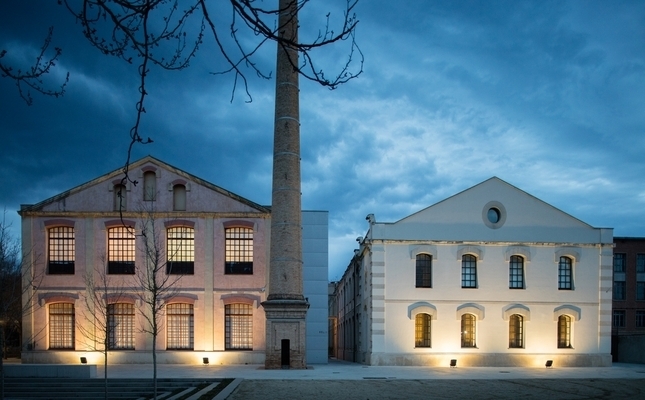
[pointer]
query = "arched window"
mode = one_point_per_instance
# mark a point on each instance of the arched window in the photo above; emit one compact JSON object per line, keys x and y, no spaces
{"x":61,"y":326}
{"x":565,"y":274}
{"x":424,"y":271}
{"x":62,"y":250}
{"x":121,"y":250}
{"x":149,"y":186}
{"x":119,"y":197}
{"x":422,"y":330}
{"x":564,"y":331}
{"x":468,"y":271}
{"x":238,"y":326}
{"x":468,"y":326}
{"x":179,"y":198}
{"x":181,"y":251}
{"x":181,"y":326}
{"x":516,"y":273}
{"x":121,"y":326}
{"x":516,"y":331}
{"x":239,"y":251}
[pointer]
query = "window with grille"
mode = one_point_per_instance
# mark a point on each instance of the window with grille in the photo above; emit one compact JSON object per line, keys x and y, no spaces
{"x":422,"y":330}
{"x":121,"y":250}
{"x":640,"y":262}
{"x":618,"y":319}
{"x":181,"y":251}
{"x":564,"y":331}
{"x":424,"y":271}
{"x":181,"y":324}
{"x":61,"y":326}
{"x":640,"y":318}
{"x":239,"y":251}
{"x":619,"y":262}
{"x":62,"y":251}
{"x":565,"y":275}
{"x":468,"y":271}
{"x":516,"y":273}
{"x":468,"y":330}
{"x":121,"y":326}
{"x":619,"y":290}
{"x":516,"y":331}
{"x":119,"y":197}
{"x":239,"y":327}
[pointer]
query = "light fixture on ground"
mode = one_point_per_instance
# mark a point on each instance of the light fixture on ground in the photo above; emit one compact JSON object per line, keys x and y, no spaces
{"x":83,"y":360}
{"x":453,"y":363}
{"x":205,"y":360}
{"x":549,"y":363}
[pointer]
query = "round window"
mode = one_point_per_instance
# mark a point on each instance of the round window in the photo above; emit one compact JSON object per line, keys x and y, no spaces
{"x":493,"y":215}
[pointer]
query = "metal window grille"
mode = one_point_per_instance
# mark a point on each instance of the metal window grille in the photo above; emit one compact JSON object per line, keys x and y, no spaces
{"x":467,"y":330}
{"x":181,"y":324}
{"x":640,"y":262}
{"x":121,"y":326}
{"x":516,"y":273}
{"x":619,"y":290}
{"x":424,"y":270}
{"x":516,"y":331}
{"x":61,"y":326}
{"x":62,"y":251}
{"x":181,"y":251}
{"x":564,"y":331}
{"x":239,"y":251}
{"x":618,"y":320}
{"x":640,"y":319}
{"x":422,"y":331}
{"x":121,"y":250}
{"x":619,"y":262}
{"x":468,"y":271}
{"x":238,"y":327}
{"x":565,"y":276}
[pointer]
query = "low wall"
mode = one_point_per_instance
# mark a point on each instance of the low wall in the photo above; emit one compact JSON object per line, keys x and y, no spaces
{"x":49,"y":371}
{"x":491,"y":360}
{"x":144,"y":357}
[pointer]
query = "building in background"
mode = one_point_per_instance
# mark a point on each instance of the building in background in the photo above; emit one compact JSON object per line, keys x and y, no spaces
{"x":491,"y":276}
{"x":211,"y":243}
{"x":628,"y":314}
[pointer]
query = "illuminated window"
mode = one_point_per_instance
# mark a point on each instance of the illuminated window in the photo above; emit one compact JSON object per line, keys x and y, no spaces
{"x":61,"y":250}
{"x":424,"y":270}
{"x":181,"y":323}
{"x":181,"y":251}
{"x":640,"y":318}
{"x":468,"y":271}
{"x":640,"y":290}
{"x":119,"y":197}
{"x":422,"y":330}
{"x":565,"y":275}
{"x":564,"y":331}
{"x":121,"y":326}
{"x":121,"y":250}
{"x":179,"y":198}
{"x":640,"y":262}
{"x":61,"y":326}
{"x":239,"y":251}
{"x":516,"y":273}
{"x":149,"y":186}
{"x":618,"y":319}
{"x":619,"y":290}
{"x":619,"y":262}
{"x":516,"y":331}
{"x":239,"y":327}
{"x":468,"y":330}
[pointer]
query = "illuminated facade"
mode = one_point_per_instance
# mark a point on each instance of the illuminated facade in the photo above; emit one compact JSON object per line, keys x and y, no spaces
{"x":491,"y":276}
{"x":211,"y":244}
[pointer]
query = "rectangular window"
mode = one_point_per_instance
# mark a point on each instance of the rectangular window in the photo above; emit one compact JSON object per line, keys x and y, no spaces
{"x":424,"y":271}
{"x":468,"y":271}
{"x":239,"y":251}
{"x":121,"y":250}
{"x":181,"y":251}
{"x":640,"y":262}
{"x":619,"y":290}
{"x":468,"y":330}
{"x":565,"y":274}
{"x":564,"y":332}
{"x":61,"y":326}
{"x":422,"y":332}
{"x":640,"y":290}
{"x":238,"y":327}
{"x":618,"y":320}
{"x":181,"y":326}
{"x":516,"y":273}
{"x":62,"y":251}
{"x":121,"y":326}
{"x":619,"y":262}
{"x":516,"y":331}
{"x":640,"y":318}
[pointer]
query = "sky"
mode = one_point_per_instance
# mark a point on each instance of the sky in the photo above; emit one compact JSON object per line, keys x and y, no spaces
{"x":546,"y":95}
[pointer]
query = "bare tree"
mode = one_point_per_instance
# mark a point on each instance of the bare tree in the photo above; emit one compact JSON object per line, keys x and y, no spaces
{"x":33,"y":77}
{"x":101,"y":294}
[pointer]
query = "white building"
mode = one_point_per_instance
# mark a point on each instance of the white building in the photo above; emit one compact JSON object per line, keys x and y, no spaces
{"x":491,"y":276}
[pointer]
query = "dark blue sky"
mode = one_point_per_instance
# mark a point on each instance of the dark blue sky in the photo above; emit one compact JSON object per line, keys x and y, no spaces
{"x":549,"y":96}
